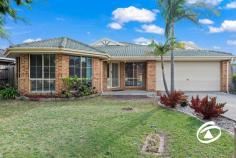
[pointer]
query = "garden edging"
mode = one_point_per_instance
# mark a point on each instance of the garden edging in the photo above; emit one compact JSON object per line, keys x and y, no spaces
{"x":57,"y":99}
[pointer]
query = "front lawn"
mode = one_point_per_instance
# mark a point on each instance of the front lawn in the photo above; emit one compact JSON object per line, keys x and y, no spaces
{"x":98,"y":128}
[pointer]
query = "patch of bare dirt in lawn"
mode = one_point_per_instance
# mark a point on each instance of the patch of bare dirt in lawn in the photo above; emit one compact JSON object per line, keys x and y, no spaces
{"x":155,"y":144}
{"x":128,"y":109}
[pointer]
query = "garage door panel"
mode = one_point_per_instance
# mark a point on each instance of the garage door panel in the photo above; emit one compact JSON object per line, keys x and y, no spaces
{"x":192,"y":76}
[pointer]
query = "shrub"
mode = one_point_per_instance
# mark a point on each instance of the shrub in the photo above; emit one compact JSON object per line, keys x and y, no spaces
{"x":175,"y":98}
{"x":207,"y":107}
{"x":234,"y":80}
{"x":77,"y":87}
{"x":8,"y":93}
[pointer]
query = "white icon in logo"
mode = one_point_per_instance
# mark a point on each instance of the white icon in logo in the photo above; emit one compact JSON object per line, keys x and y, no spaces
{"x":208,"y":138}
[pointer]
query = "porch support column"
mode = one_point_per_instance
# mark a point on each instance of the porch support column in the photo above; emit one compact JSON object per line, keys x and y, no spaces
{"x":97,"y":74}
{"x":104,"y":79}
{"x":23,"y":80}
{"x":122,"y":75}
{"x":62,"y":71}
{"x":151,"y":76}
{"x":224,"y":76}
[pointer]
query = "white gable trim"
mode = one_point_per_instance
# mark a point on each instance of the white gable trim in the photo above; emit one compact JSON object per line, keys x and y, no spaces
{"x":106,"y":42}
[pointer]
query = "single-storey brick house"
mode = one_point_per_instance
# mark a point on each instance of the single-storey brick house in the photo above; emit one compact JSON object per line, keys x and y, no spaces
{"x":110,"y":65}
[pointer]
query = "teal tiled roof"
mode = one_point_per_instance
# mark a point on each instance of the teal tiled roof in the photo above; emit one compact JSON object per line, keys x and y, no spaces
{"x":124,"y":50}
{"x":61,"y":42}
{"x":140,"y":50}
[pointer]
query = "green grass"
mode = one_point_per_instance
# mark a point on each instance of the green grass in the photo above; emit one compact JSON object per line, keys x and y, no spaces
{"x":98,"y":128}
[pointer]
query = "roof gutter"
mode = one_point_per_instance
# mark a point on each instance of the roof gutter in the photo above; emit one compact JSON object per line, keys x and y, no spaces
{"x":177,"y":58}
{"x":25,"y":50}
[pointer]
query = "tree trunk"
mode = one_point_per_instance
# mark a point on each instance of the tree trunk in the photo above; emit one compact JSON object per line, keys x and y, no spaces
{"x":164,"y":76}
{"x":172,"y":60}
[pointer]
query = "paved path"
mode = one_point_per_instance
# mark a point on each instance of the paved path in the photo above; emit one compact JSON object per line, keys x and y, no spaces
{"x":221,"y":97}
{"x":129,"y":93}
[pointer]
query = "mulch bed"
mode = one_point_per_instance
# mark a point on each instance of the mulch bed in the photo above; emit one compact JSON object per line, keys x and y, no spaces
{"x":127,"y":97}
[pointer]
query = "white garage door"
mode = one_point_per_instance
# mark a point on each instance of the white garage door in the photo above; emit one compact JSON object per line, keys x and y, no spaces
{"x":191,"y":76}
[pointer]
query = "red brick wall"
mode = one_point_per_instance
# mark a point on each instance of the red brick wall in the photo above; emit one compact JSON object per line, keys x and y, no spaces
{"x":62,"y":71}
{"x":97,"y":73}
{"x":122,"y":75}
{"x":151,"y":76}
{"x":23,"y":81}
{"x":224,"y":66}
{"x":104,"y":76}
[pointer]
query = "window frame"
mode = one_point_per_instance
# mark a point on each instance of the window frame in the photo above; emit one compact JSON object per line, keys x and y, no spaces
{"x":43,"y":78}
{"x":81,"y":68}
{"x":135,"y":77}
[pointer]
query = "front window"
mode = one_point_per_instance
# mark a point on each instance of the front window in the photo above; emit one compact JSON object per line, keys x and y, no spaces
{"x":81,"y":67}
{"x":134,"y":74}
{"x":42,"y":73}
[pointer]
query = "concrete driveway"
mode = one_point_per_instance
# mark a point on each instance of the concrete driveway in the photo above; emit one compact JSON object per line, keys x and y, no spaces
{"x":221,"y":97}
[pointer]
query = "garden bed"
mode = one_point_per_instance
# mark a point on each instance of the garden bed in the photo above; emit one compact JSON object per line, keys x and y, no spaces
{"x":222,"y":121}
{"x":54,"y":98}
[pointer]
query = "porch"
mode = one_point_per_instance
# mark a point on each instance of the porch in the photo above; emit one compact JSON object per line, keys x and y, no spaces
{"x":135,"y":76}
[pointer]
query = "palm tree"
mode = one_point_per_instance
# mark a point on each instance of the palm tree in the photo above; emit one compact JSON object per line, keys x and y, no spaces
{"x":173,"y":11}
{"x":161,"y":50}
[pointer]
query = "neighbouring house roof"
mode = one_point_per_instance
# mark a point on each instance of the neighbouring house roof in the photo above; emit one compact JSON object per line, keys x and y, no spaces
{"x":1,"y":52}
{"x":62,"y":43}
{"x":131,"y":50}
{"x":106,"y":42}
{"x":4,"y":59}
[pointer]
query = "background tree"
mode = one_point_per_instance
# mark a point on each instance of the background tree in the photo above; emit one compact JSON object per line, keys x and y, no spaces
{"x":173,"y":11}
{"x":7,"y":9}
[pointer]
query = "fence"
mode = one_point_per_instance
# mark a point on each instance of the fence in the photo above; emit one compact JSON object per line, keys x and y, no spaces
{"x":7,"y":75}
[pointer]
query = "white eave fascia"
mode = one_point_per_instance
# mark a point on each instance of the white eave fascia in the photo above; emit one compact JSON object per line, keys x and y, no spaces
{"x":22,"y":50}
{"x":7,"y":59}
{"x":177,"y":58}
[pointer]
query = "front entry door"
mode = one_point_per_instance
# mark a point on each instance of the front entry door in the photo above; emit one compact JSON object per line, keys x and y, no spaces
{"x":113,"y":70}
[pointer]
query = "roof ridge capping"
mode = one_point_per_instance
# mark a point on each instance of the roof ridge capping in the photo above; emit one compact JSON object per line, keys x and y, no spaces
{"x":86,"y":45}
{"x":33,"y":42}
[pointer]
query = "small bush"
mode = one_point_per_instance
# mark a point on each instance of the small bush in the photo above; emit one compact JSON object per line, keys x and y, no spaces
{"x":234,"y":80}
{"x":77,"y":87}
{"x":8,"y":93}
{"x":175,"y":98}
{"x":207,"y":107}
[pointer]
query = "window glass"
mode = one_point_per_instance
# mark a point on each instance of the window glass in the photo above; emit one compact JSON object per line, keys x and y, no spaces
{"x":39,"y":86}
{"x":89,"y":73}
{"x":42,"y":72}
{"x":46,"y":72}
{"x":33,"y":72}
{"x":52,"y":60}
{"x":81,"y":67}
{"x":39,"y":72}
{"x":46,"y":60}
{"x":46,"y":85}
{"x":33,"y":85}
{"x":52,"y":85}
{"x":52,"y":72}
{"x":134,"y":74}
{"x":129,"y":70}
